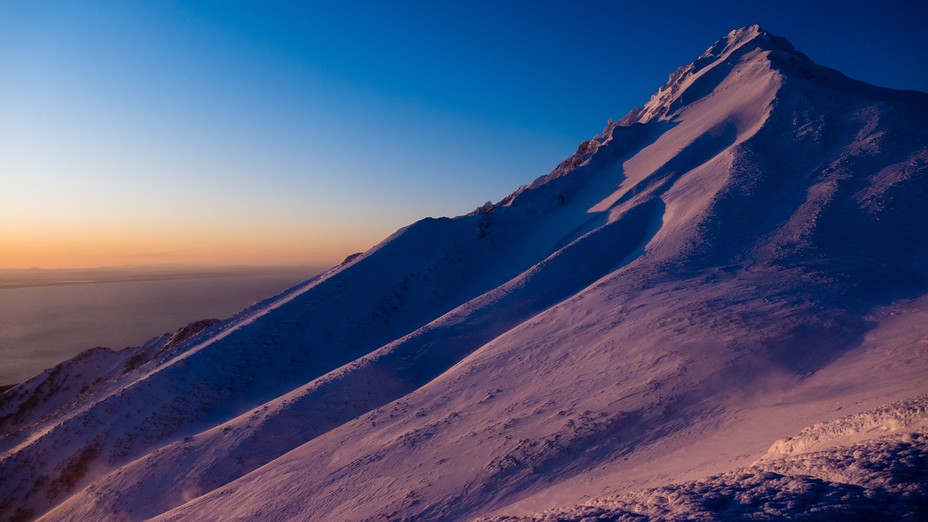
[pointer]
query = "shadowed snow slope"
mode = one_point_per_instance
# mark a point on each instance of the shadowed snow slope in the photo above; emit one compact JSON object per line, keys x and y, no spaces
{"x":740,"y":258}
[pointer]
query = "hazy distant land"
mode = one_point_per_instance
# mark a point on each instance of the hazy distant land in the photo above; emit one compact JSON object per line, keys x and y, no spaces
{"x":47,"y":316}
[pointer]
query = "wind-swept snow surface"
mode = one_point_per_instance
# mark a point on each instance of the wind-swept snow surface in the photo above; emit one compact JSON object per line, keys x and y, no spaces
{"x":742,"y":257}
{"x":882,"y":476}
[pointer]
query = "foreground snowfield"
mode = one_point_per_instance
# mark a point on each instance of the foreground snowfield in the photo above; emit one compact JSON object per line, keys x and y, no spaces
{"x":742,"y":258}
{"x":880,"y":476}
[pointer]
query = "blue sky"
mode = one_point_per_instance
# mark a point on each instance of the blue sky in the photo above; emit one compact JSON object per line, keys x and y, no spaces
{"x":291,"y":132}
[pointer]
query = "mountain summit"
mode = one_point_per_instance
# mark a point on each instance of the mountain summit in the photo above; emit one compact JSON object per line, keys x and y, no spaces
{"x":738,"y":259}
{"x":691,"y":82}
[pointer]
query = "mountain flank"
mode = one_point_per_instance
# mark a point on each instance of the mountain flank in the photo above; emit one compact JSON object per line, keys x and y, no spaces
{"x":740,"y":258}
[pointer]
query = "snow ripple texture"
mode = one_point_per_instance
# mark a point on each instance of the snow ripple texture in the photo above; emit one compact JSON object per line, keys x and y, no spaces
{"x":884,"y":477}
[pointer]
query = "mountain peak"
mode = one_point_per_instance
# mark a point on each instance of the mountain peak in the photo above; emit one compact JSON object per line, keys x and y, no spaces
{"x":763,"y":38}
{"x":737,"y":37}
{"x":721,"y":55}
{"x":706,"y":76}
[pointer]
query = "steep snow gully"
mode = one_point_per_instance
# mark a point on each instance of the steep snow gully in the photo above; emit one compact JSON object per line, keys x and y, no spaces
{"x":742,"y":257}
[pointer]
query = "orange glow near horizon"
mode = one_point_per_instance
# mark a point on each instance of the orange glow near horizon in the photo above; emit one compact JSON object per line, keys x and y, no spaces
{"x":91,"y":219}
{"x":44,"y":249}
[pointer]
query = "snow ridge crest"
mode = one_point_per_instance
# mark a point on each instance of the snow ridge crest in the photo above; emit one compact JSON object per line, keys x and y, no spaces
{"x":738,"y":42}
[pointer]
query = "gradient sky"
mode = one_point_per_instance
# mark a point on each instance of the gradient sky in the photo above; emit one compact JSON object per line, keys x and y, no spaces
{"x":284,"y":133}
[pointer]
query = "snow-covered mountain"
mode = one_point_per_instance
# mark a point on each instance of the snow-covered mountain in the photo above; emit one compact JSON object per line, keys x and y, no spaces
{"x":742,"y":257}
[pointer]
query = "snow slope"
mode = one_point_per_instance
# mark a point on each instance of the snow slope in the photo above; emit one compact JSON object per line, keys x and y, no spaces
{"x":740,"y":258}
{"x":881,"y":476}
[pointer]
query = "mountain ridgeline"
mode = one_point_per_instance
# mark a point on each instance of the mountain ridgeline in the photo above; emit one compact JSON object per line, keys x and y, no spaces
{"x":739,"y":258}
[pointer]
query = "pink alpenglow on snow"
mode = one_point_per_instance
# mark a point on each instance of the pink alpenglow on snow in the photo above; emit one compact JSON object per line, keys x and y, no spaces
{"x":717,"y":308}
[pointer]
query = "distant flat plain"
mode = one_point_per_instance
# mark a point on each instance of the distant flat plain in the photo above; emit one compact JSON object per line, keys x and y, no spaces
{"x":47,"y":316}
